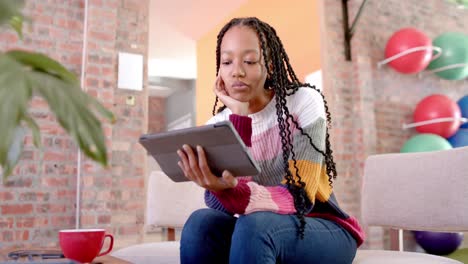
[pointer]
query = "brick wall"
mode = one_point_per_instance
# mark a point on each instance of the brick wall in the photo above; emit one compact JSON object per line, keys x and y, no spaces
{"x":369,"y":105}
{"x":40,"y":199}
{"x":156,"y":114}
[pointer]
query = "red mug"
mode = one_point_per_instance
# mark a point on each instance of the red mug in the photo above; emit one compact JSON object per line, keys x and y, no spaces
{"x":84,"y":245}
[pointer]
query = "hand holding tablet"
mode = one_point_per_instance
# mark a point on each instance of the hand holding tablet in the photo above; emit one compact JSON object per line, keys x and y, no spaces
{"x":195,"y":167}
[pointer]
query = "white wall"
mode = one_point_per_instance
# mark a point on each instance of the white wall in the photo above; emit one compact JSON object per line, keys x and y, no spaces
{"x":171,"y":54}
{"x":174,"y":27}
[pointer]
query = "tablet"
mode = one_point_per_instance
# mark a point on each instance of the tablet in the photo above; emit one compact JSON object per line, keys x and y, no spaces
{"x":223,"y":147}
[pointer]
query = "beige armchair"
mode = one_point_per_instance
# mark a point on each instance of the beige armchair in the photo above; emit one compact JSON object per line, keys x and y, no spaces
{"x":415,"y":191}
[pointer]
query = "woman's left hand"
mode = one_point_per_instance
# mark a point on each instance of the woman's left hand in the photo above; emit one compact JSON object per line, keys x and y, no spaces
{"x":237,"y":107}
{"x":196,"y":169}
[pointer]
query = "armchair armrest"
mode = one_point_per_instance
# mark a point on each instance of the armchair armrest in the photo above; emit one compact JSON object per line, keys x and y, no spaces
{"x":169,"y":204}
{"x":423,"y":191}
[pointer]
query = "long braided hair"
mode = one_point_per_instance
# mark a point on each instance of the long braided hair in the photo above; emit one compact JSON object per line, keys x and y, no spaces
{"x":282,"y":79}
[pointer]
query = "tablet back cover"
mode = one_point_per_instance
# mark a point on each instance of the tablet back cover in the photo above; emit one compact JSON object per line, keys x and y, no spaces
{"x":224,"y":149}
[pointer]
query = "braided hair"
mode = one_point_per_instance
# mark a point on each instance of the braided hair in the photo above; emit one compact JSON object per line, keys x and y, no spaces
{"x":282,"y":79}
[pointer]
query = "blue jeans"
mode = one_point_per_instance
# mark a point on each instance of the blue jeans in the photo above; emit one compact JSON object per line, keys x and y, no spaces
{"x":211,"y":236}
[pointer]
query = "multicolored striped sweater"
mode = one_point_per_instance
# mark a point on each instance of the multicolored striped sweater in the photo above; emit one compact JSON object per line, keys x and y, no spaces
{"x":268,"y":191}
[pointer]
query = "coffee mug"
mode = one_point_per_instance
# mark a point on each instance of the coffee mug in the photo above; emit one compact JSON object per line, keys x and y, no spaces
{"x":84,"y":245}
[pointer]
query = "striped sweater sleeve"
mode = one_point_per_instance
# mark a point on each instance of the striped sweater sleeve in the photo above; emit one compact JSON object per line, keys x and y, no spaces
{"x":248,"y":196}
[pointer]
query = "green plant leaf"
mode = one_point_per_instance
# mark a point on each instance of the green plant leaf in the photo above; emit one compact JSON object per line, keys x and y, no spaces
{"x":16,"y":22}
{"x":15,"y":150}
{"x":20,"y":75}
{"x":9,"y":8}
{"x":43,"y":63}
{"x":102,"y":110}
{"x":72,"y":108}
{"x":15,"y":92}
{"x":34,"y":129}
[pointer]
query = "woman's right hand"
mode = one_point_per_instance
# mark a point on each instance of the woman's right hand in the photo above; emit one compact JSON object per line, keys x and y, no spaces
{"x":237,"y":107}
{"x":195,"y":168}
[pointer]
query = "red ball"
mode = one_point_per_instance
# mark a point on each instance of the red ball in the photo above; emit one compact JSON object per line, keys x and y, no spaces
{"x":438,"y":106}
{"x":403,"y":40}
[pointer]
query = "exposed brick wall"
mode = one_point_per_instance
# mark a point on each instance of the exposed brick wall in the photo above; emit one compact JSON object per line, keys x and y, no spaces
{"x":156,"y":114}
{"x":39,"y":199}
{"x":370,"y":105}
{"x":114,"y":198}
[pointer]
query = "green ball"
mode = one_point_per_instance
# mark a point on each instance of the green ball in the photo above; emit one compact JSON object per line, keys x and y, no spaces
{"x":463,"y":3}
{"x":460,"y":255}
{"x":425,"y":142}
{"x":454,"y":51}
{"x":459,"y":2}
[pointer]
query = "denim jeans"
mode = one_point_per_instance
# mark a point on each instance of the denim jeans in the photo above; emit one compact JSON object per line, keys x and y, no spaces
{"x":211,"y":236}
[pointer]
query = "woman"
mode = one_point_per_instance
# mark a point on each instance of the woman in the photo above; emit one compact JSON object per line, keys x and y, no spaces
{"x":288,"y":213}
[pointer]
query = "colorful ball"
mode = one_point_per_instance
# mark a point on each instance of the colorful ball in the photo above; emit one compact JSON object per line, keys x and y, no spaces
{"x":437,"y":106}
{"x":460,"y":3}
{"x":460,"y":139}
{"x":454,"y":51}
{"x":403,"y":40}
{"x":460,"y":254}
{"x":463,"y":104}
{"x":438,"y":243}
{"x":424,"y":143}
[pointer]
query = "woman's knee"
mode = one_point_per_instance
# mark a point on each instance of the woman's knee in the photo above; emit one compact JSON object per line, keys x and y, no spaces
{"x":207,"y":236}
{"x":255,"y":224}
{"x":198,"y":221}
{"x":198,"y":218}
{"x":206,"y":220}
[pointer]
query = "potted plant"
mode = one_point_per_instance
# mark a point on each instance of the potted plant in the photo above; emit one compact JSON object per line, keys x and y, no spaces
{"x":24,"y":74}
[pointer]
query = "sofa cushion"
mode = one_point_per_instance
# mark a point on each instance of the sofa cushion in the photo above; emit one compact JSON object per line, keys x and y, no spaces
{"x":169,"y":204}
{"x":397,"y":257}
{"x":150,"y":253}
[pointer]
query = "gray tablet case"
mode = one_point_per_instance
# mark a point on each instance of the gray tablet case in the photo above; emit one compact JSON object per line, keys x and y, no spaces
{"x":223,"y":146}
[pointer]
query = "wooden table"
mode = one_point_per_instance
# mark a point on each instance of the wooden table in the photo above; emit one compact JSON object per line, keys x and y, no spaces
{"x":99,"y":260}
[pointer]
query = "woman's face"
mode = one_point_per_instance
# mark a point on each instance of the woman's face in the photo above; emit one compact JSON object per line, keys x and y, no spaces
{"x":242,"y":66}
